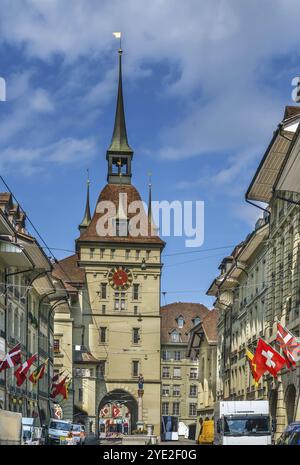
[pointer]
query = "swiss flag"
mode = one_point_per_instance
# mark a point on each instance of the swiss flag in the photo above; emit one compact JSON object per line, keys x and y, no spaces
{"x":23,"y":369}
{"x":268,"y":359}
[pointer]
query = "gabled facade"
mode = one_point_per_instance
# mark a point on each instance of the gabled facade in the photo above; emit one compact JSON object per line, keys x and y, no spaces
{"x":179,"y":372}
{"x":202,"y":347}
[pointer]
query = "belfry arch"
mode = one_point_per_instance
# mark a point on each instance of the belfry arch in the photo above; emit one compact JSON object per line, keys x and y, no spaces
{"x":117,"y":414}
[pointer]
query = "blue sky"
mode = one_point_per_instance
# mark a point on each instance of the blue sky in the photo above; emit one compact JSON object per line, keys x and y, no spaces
{"x":205,"y":85}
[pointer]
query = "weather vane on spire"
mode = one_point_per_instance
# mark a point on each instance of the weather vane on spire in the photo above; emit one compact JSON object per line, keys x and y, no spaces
{"x":118,"y":36}
{"x":150,"y":178}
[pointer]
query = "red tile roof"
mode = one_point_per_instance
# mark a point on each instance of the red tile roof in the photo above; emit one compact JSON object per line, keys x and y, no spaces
{"x":111,"y":193}
{"x":209,"y":325}
{"x":188,"y":311}
{"x":69,"y":272}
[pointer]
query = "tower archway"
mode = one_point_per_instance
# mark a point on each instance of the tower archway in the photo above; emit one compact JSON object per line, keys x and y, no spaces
{"x":117,"y":414}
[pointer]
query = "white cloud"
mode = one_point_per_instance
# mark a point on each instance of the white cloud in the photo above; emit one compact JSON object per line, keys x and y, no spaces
{"x":219,"y":55}
{"x":62,"y":152}
{"x":41,"y":101}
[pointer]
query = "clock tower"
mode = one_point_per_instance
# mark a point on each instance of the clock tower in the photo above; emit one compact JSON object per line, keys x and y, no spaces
{"x":116,"y":305}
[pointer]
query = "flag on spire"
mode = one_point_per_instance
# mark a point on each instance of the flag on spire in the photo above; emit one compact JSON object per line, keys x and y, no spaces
{"x":117,"y":35}
{"x":23,"y":369}
{"x":289,"y":344}
{"x":12,"y":358}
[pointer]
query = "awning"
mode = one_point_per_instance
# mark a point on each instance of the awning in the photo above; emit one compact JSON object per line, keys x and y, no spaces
{"x":36,"y":254}
{"x":5,"y":228}
{"x":289,"y":176}
{"x":43,"y":285}
{"x":12,"y":254}
{"x":261,"y":187}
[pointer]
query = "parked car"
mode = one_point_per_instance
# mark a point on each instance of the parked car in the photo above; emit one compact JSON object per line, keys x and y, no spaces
{"x":78,"y":433}
{"x":291,"y":435}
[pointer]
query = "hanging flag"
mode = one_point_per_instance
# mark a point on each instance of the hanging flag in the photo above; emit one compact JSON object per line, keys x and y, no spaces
{"x":23,"y":369}
{"x":55,"y":380}
{"x":12,"y":358}
{"x":289,"y":344}
{"x":65,"y":389}
{"x":61,"y":388}
{"x":56,"y":377}
{"x":38,"y":373}
{"x":255,"y":372}
{"x":268,"y":359}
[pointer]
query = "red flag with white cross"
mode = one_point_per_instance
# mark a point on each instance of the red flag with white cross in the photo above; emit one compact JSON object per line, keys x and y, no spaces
{"x":12,"y":358}
{"x":289,"y":344}
{"x":23,"y":369}
{"x":268,"y":358}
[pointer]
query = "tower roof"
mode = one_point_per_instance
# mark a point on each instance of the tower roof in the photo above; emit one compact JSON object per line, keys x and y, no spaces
{"x":113,"y":193}
{"x":119,"y":142}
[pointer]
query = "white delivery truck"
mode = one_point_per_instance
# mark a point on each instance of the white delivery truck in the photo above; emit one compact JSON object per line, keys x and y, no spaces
{"x":242,"y":423}
{"x":59,"y":431}
{"x":10,"y":428}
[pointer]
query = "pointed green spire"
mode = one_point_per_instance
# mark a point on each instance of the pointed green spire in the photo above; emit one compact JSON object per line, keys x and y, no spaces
{"x":119,"y":142}
{"x":87,"y":214}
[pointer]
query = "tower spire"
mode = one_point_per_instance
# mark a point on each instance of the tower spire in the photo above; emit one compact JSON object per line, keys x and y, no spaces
{"x":149,"y":205}
{"x":119,"y":153}
{"x":119,"y":141}
{"x":87,"y":214}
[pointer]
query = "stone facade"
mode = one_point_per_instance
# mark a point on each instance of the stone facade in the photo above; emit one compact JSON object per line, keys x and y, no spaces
{"x":179,"y":373}
{"x":26,"y":317}
{"x":259,"y":285}
{"x":203,"y":348}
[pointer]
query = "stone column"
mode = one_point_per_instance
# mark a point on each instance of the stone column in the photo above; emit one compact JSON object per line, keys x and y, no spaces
{"x":280,"y":411}
{"x":140,"y":423}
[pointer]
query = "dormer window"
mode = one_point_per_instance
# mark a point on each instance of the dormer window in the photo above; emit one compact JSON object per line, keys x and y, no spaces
{"x":180,"y":321}
{"x":196,"y":320}
{"x":175,"y":336}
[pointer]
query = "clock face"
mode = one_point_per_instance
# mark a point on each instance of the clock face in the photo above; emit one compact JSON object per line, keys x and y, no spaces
{"x":120,"y":278}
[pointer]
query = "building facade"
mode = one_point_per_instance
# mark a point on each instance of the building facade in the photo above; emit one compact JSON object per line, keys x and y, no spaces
{"x":179,"y":372}
{"x":282,"y":297}
{"x":259,"y":284}
{"x":25,"y":312}
{"x":202,"y":347}
{"x":113,"y":326}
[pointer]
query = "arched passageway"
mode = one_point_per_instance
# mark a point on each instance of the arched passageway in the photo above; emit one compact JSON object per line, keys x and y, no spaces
{"x":117,"y":414}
